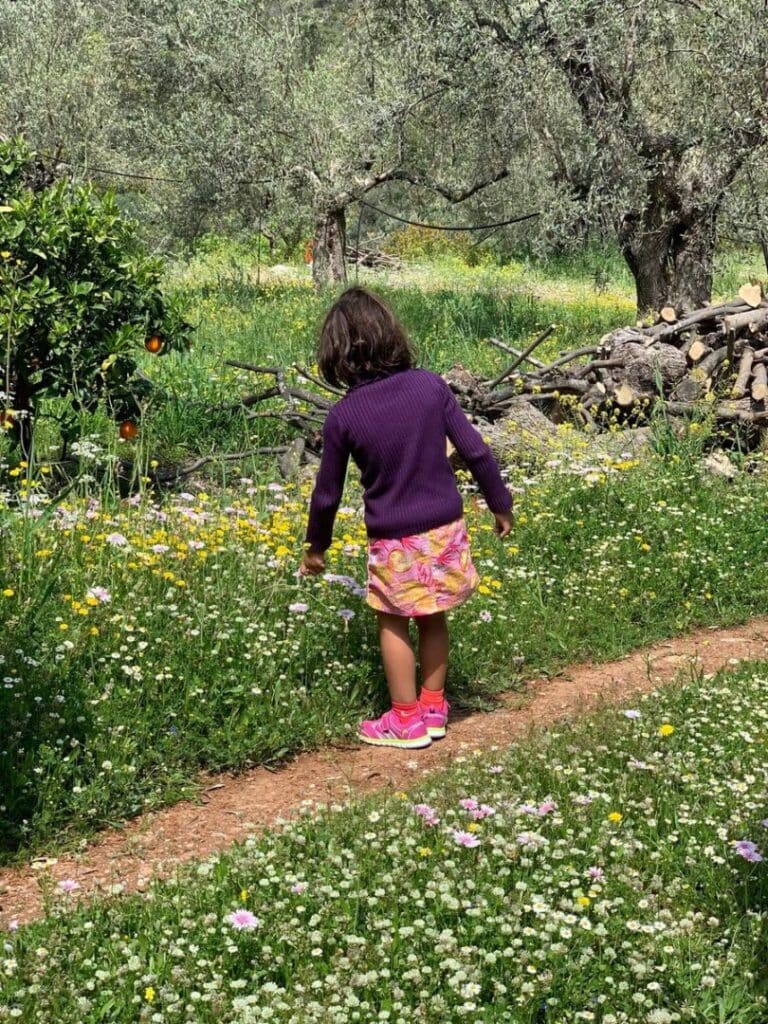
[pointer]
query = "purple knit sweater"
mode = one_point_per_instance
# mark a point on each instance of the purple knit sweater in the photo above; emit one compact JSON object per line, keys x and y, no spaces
{"x":395,"y":427}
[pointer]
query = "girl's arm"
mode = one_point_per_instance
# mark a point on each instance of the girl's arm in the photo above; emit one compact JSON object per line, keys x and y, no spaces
{"x":477,"y":455}
{"x":329,"y":486}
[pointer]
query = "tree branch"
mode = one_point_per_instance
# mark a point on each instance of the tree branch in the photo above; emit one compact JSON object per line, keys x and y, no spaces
{"x":496,"y":27}
{"x":452,"y":195}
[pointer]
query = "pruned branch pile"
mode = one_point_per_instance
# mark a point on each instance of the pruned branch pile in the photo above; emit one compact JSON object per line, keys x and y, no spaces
{"x":713,"y":360}
{"x":372,"y":258}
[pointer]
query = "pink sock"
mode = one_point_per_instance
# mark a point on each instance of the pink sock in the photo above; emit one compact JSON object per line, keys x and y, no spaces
{"x":405,"y":712}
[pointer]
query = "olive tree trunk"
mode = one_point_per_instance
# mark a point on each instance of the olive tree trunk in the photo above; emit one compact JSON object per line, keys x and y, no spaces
{"x":670,"y":256}
{"x":329,"y":247}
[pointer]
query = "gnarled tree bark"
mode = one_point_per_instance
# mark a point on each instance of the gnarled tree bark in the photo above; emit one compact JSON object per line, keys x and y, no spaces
{"x":670,"y":253}
{"x":329,"y":247}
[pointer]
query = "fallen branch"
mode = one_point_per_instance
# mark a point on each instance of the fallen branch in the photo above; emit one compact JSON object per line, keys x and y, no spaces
{"x":523,"y":355}
{"x":512,"y":351}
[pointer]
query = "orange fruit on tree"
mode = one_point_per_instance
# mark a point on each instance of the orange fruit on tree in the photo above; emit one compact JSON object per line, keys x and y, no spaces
{"x":153,"y":344}
{"x":128,"y":430}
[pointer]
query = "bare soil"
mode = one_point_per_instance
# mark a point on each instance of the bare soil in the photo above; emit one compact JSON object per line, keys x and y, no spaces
{"x":234,"y":806}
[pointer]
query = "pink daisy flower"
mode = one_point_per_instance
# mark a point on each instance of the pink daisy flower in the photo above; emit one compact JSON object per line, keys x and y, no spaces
{"x":465,"y":838}
{"x":243,"y":920}
{"x":748,"y":850}
{"x":483,"y":811}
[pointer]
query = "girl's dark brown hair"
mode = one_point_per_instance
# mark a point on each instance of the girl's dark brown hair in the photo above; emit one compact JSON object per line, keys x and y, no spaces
{"x":361,"y":337}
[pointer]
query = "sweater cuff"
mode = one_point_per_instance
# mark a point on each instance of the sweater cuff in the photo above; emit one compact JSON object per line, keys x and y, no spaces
{"x":315,"y":549}
{"x":501,"y":503}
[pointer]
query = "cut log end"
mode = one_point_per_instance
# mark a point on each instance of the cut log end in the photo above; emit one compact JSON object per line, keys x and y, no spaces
{"x":759,"y":390}
{"x":668,"y":314}
{"x":698,"y":350}
{"x":752,"y":294}
{"x":624,"y":396}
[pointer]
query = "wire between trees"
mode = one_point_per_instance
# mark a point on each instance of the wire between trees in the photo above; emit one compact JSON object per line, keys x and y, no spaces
{"x":363,"y":202}
{"x":451,"y":227}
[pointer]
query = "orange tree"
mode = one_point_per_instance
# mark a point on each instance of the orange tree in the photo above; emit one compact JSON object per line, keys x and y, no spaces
{"x":80,"y":299}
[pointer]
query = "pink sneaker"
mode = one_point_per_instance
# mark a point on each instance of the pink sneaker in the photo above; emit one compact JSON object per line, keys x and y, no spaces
{"x":388,"y":731}
{"x":436,"y":719}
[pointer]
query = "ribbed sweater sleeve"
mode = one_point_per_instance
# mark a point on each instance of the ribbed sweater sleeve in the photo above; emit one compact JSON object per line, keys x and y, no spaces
{"x":476,"y":454}
{"x":329,"y":485}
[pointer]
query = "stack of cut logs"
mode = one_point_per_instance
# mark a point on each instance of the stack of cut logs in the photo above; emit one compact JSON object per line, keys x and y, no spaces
{"x":717,"y":354}
{"x":713,"y":361}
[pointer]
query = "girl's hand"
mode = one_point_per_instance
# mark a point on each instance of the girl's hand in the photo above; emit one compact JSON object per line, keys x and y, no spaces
{"x":504,"y":522}
{"x":312,"y":564}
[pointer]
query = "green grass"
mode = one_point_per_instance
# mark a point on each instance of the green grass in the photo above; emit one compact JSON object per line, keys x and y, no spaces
{"x":449,"y":309}
{"x":190,"y":657}
{"x":196,"y":660}
{"x":605,"y":884}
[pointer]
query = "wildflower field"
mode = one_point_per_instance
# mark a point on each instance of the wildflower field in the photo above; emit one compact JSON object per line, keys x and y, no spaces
{"x":611,"y":872}
{"x":151,"y":639}
{"x":164,"y":632}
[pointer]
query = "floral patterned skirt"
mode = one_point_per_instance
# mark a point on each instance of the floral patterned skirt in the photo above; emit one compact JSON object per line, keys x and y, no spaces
{"x":422,"y":574}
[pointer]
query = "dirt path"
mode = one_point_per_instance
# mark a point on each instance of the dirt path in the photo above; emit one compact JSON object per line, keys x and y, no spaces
{"x":234,"y":806}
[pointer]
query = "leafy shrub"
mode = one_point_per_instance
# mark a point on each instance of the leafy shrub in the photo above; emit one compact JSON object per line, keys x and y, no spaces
{"x":79,"y":300}
{"x":412,"y":243}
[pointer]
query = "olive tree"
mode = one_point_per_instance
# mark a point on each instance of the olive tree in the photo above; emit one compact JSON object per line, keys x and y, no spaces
{"x":56,"y":79}
{"x":671,"y":95}
{"x":303,"y":105}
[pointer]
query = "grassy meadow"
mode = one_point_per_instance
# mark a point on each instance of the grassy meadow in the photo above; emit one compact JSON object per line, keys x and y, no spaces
{"x":610,"y":871}
{"x":161,"y":634}
{"x":607,"y":872}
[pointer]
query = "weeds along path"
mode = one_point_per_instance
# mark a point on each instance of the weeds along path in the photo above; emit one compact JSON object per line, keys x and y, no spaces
{"x":153,"y":845}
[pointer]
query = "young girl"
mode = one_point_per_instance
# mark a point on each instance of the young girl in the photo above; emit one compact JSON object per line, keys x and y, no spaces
{"x":394,"y":421}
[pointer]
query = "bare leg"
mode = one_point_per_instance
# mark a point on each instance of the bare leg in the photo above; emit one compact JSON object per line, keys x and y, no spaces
{"x":398,"y":657}
{"x":433,"y":650}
